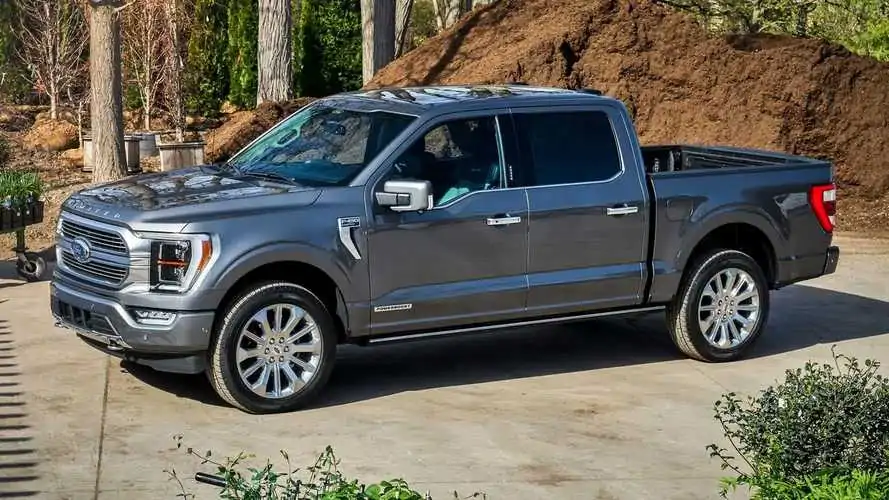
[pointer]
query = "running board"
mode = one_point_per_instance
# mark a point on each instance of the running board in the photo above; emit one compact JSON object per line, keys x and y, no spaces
{"x":501,"y":326}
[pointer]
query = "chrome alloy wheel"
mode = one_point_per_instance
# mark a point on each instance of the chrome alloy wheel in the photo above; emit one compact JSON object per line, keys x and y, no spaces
{"x":278,"y":351}
{"x":729,"y":308}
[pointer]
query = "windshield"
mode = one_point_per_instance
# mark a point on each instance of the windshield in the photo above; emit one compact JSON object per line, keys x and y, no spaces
{"x":321,"y":145}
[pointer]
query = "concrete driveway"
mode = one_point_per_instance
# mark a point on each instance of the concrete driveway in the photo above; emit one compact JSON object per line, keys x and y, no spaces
{"x":605,"y":409}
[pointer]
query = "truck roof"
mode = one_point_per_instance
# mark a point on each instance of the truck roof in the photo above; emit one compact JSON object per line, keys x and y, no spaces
{"x":418,"y":100}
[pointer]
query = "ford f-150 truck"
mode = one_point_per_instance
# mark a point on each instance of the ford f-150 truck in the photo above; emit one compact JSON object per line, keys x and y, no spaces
{"x":383,"y":215}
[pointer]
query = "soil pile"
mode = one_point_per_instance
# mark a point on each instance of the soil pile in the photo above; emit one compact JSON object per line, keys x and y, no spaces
{"x":244,"y":126}
{"x":681,"y":83}
{"x":51,"y":135}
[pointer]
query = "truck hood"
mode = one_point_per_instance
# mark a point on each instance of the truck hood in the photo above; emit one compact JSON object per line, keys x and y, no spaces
{"x":187,"y":195}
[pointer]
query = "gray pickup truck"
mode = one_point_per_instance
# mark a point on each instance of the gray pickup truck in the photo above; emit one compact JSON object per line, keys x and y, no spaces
{"x":379,"y":216}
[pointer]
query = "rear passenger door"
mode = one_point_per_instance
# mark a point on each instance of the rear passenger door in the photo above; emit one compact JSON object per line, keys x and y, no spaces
{"x":587,"y":209}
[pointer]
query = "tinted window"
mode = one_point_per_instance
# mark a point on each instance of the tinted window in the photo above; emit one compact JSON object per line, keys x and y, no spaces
{"x":457,"y":157}
{"x":567,"y":147}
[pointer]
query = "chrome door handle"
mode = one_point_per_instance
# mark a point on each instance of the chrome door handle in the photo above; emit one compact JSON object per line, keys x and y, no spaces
{"x":624,"y":210}
{"x":503,"y":221}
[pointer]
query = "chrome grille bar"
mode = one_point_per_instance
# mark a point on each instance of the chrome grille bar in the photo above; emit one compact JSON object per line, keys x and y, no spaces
{"x":106,"y":240}
{"x":109,"y":273}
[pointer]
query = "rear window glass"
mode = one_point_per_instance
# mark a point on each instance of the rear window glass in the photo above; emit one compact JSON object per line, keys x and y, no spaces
{"x":566,"y":147}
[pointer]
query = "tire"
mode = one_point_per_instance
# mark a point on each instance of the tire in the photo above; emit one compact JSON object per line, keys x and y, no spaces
{"x":690,"y":309}
{"x":231,"y":379}
{"x":32,"y":268}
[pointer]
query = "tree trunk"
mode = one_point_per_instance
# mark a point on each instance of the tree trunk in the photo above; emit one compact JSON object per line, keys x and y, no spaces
{"x":403,"y":21}
{"x":53,"y":104}
{"x":378,"y":36}
{"x":275,"y":28}
{"x":106,"y":110}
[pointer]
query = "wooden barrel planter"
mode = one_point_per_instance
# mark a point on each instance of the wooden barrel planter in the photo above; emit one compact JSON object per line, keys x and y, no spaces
{"x":176,"y":155}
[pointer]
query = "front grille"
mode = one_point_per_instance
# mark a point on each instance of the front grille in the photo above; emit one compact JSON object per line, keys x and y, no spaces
{"x":106,"y":272}
{"x":97,"y":238}
{"x":84,"y":319}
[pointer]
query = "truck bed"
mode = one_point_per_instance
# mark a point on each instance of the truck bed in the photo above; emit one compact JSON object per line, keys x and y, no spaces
{"x":691,"y":195}
{"x":676,"y":158}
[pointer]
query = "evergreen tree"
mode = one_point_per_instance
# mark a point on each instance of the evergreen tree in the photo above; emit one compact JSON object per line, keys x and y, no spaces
{"x":206,"y":74}
{"x":331,"y":47}
{"x":243,"y":19}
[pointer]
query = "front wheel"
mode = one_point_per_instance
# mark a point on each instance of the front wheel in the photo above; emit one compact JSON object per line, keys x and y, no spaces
{"x":274,"y":350}
{"x":721,"y":308}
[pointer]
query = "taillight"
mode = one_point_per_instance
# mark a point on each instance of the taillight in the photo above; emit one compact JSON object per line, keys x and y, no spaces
{"x":823,"y":200}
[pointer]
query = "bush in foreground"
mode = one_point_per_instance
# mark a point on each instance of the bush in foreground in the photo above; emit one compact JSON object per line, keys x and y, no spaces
{"x":323,"y":481}
{"x":824,"y":429}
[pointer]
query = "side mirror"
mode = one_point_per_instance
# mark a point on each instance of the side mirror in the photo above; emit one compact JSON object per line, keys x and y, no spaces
{"x":405,"y":196}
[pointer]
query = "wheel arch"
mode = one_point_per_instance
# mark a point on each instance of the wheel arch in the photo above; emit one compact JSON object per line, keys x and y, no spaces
{"x":741,"y":235}
{"x":321,"y":276}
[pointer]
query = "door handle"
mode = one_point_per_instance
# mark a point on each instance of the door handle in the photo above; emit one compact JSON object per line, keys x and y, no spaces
{"x":621,"y":210}
{"x":503,"y":221}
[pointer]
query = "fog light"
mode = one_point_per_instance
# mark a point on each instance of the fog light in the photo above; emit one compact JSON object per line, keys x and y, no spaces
{"x":154,"y":317}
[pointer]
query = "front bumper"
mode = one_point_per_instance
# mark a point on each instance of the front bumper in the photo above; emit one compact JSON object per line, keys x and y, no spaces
{"x":178,"y":346}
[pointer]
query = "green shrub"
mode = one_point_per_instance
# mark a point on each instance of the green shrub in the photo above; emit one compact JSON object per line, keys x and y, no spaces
{"x":19,"y":188}
{"x":827,"y":485}
{"x":323,"y":481}
{"x":821,"y":418}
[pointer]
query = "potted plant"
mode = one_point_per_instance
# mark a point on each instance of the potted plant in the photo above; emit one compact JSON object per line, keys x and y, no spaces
{"x":177,"y":153}
{"x":21,"y":202}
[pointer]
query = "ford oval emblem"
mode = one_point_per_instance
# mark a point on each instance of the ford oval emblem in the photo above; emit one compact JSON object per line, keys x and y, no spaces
{"x":81,"y":250}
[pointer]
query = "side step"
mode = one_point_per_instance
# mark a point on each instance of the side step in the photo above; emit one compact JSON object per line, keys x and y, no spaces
{"x":516,"y":324}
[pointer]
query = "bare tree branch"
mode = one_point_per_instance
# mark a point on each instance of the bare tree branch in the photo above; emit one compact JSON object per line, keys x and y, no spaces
{"x":53,"y":38}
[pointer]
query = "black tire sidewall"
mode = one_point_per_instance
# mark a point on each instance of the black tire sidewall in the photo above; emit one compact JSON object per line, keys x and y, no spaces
{"x":235,"y":319}
{"x":713,"y":263}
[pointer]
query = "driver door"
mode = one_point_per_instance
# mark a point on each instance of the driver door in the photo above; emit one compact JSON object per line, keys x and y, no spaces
{"x":465,"y":258}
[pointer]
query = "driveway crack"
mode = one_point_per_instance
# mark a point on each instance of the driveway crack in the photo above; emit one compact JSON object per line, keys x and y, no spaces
{"x":102,"y":429}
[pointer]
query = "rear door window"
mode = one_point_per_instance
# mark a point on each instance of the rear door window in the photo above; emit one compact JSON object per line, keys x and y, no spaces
{"x":566,"y":147}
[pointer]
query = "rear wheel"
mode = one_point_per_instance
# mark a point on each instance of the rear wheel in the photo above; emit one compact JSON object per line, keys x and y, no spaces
{"x":274,"y":350}
{"x":721,"y":308}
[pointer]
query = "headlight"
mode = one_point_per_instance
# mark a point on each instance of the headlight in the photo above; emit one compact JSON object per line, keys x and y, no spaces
{"x":177,"y":259}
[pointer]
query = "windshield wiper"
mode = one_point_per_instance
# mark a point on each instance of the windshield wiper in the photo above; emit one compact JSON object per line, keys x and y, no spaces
{"x":230,"y":166}
{"x":270,"y":176}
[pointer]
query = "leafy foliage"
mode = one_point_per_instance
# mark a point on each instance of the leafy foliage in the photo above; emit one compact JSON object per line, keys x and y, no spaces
{"x":323,"y":481}
{"x":828,"y":485}
{"x":243,"y":23}
{"x":860,"y":25}
{"x":821,"y":418}
{"x":13,"y":86}
{"x":422,"y":23}
{"x":207,"y":69}
{"x":330,"y":40}
{"x":19,"y":188}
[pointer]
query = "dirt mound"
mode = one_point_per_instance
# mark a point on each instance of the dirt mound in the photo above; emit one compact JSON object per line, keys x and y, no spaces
{"x":51,"y":135}
{"x":72,"y":157}
{"x":682,"y":84}
{"x":244,"y":126}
